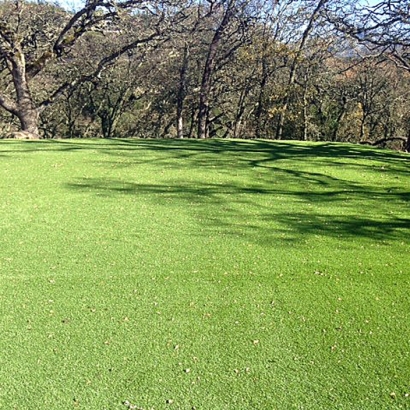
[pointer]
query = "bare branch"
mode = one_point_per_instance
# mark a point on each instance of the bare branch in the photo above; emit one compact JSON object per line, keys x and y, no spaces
{"x":8,"y":104}
{"x":95,"y":75}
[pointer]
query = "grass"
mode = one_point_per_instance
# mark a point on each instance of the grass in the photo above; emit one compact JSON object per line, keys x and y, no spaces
{"x":160,"y":274}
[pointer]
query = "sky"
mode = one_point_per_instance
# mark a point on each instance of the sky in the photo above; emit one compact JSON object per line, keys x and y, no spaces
{"x":76,"y":4}
{"x":71,"y":5}
{"x":370,"y":2}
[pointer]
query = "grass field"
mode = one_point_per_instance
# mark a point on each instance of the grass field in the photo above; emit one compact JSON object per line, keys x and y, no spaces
{"x":152,"y":274}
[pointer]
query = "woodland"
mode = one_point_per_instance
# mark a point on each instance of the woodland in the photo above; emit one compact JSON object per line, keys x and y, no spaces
{"x":312,"y":70}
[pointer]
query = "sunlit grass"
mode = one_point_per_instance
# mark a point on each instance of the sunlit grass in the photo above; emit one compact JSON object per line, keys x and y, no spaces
{"x":203,"y":274}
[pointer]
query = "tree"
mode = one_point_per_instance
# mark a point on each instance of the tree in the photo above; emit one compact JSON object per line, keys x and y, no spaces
{"x":383,"y":30}
{"x":35,"y":36}
{"x":226,"y":12}
{"x":311,"y":18}
{"x":22,"y":56}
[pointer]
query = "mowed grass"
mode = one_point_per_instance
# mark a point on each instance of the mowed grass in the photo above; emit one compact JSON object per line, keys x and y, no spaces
{"x":160,"y":274}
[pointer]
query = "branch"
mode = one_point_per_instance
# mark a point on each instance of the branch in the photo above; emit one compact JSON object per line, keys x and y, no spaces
{"x":79,"y":24}
{"x":94,"y":76}
{"x":383,"y":28}
{"x":382,"y":141}
{"x":8,"y":104}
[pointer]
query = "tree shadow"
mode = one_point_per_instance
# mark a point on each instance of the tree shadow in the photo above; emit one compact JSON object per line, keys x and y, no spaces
{"x":11,"y":145}
{"x":260,"y":154}
{"x":187,"y":148}
{"x":259,"y":212}
{"x":319,"y":203}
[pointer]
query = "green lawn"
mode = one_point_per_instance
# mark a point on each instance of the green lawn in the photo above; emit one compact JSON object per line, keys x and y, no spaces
{"x":214,"y":275}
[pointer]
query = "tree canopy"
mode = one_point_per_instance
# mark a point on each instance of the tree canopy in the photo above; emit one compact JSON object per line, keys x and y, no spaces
{"x":313,"y":70}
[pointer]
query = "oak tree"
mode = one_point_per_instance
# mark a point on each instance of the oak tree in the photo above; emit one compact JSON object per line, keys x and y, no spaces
{"x":35,"y":36}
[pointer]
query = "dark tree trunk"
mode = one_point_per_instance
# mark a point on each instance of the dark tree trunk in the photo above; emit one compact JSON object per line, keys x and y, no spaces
{"x":182,"y":92}
{"x":203,"y":114}
{"x":261,"y":102}
{"x":29,"y":123}
{"x":294,"y":67}
{"x":25,"y":109}
{"x":239,"y":112}
{"x":340,"y":118}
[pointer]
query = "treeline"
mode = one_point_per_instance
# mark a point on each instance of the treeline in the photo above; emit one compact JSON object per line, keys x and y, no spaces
{"x":226,"y":69}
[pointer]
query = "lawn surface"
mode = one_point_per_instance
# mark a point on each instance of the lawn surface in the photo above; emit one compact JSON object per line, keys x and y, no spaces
{"x":212,"y":275}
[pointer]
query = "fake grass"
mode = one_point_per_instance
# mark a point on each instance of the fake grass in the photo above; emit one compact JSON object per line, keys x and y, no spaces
{"x":161,"y":274}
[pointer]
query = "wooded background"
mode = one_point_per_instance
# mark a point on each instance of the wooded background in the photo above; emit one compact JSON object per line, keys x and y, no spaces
{"x":333,"y":70}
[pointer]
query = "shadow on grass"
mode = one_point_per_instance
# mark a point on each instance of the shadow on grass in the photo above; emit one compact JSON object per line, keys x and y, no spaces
{"x":336,"y":207}
{"x":315,"y":203}
{"x":261,"y":154}
{"x":265,"y":214}
{"x":272,"y":150}
{"x":228,"y":155}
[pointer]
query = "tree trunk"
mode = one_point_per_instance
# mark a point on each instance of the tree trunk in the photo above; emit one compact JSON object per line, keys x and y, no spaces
{"x":29,"y":124}
{"x":203,"y":113}
{"x":26,"y":110}
{"x":294,"y":67}
{"x":182,"y":92}
{"x":239,"y":113}
{"x":340,"y":118}
{"x":261,"y":101}
{"x":305,"y":117}
{"x":362,"y":131}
